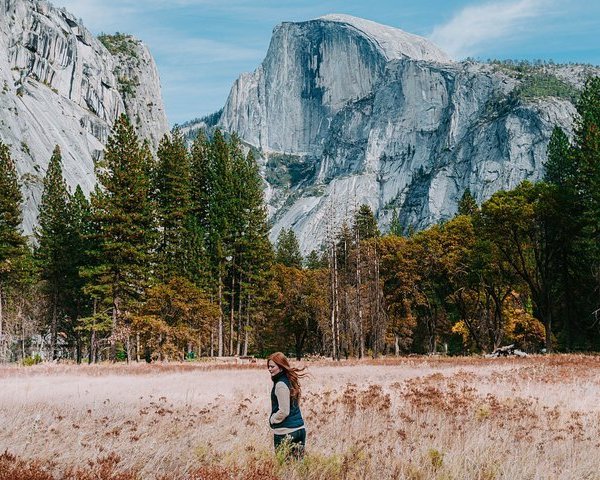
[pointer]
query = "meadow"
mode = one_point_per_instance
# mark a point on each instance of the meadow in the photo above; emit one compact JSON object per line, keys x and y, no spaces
{"x":407,"y":418}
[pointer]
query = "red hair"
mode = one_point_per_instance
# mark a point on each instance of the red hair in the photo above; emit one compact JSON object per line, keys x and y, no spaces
{"x":293,"y":373}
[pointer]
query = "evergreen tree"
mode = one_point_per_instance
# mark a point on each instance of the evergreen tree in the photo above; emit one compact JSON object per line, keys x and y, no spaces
{"x":123,"y":215}
{"x":365,"y":224}
{"x":200,"y":178}
{"x":314,"y":261}
{"x":218,"y":220}
{"x":565,"y":230}
{"x":395,"y":226}
{"x":13,"y":246}
{"x":53,"y":255}
{"x":174,"y":208}
{"x":78,"y":304}
{"x":586,"y":154}
{"x":253,"y":250}
{"x":288,"y":249}
{"x":560,"y":169}
{"x":97,"y":286}
{"x":467,"y":204}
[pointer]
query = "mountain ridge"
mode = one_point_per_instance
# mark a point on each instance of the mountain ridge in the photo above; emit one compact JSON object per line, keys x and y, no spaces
{"x":338,"y":124}
{"x":59,"y":85}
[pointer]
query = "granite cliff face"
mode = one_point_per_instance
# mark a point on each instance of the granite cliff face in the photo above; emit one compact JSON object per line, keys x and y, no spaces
{"x":312,"y":70}
{"x":60,"y":85}
{"x":344,"y":111}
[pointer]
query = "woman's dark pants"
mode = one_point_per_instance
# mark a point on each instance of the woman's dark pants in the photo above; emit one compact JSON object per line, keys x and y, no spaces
{"x":296,"y":441}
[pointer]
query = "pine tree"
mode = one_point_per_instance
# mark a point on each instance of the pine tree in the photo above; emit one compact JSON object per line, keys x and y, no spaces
{"x":53,"y":235}
{"x":364,"y":228}
{"x":253,"y":249}
{"x":94,"y":274}
{"x":559,"y":166}
{"x":365,"y":224}
{"x":467,"y":204}
{"x":218,"y":218}
{"x":395,"y":225}
{"x":13,"y":246}
{"x":200,"y":178}
{"x":586,"y":154}
{"x":123,"y":216}
{"x":288,"y":249}
{"x":564,"y":228}
{"x":172,"y":191}
{"x":198,"y":263}
{"x":314,"y":261}
{"x":78,"y":304}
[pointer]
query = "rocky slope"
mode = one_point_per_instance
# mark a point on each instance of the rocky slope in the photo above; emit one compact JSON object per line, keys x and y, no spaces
{"x":344,"y":111}
{"x":59,"y":85}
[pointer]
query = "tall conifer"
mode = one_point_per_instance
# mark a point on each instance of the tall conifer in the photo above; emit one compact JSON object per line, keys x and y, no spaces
{"x":78,"y":303}
{"x":123,"y":214}
{"x":467,"y":204}
{"x":586,"y":153}
{"x":288,"y":249}
{"x":172,"y":190}
{"x":13,"y":245}
{"x":53,"y":236}
{"x":253,"y":250}
{"x":365,"y":224}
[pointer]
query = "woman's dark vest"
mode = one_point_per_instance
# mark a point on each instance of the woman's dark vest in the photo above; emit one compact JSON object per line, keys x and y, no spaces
{"x":294,"y":419}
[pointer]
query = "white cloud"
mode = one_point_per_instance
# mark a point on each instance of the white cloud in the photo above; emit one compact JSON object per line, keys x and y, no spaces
{"x":468,"y":32}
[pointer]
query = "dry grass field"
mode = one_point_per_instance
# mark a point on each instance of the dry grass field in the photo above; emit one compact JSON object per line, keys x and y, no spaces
{"x":411,"y":418}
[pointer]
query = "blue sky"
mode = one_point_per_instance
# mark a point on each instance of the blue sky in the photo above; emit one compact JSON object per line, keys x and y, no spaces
{"x":201,"y":46}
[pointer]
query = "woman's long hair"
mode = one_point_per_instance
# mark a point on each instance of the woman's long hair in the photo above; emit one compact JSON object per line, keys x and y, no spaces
{"x":293,"y":373}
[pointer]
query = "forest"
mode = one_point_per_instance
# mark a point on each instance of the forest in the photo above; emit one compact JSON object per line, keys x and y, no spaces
{"x":169,"y":259}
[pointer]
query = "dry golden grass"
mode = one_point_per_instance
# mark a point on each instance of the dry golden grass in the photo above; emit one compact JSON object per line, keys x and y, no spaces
{"x":410,"y":418}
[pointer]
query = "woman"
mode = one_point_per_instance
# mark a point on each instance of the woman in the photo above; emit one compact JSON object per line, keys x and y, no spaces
{"x":286,"y":419}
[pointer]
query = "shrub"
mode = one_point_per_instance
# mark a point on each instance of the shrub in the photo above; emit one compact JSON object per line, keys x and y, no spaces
{"x":34,"y":360}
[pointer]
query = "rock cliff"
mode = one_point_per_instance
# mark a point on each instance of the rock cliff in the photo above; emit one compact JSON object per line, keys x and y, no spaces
{"x":345,"y":111}
{"x":59,"y":85}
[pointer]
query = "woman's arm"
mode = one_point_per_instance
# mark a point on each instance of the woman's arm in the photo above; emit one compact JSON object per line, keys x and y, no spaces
{"x":282,"y":392}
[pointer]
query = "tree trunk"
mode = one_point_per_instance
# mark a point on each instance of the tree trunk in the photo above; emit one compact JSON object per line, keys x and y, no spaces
{"x":378,"y":319}
{"x":361,"y":332}
{"x":1,"y":324}
{"x":300,"y":345}
{"x":549,"y":345}
{"x":54,"y":326}
{"x":137,"y":346}
{"x":78,"y":348}
{"x":337,"y":314}
{"x":238,"y":347}
{"x":334,"y":305}
{"x":22,"y":318}
{"x":247,"y":329}
{"x":115,"y":319}
{"x":231,"y":312}
{"x":220,"y":302}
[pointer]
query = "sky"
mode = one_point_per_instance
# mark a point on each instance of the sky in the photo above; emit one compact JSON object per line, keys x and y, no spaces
{"x":202,"y":46}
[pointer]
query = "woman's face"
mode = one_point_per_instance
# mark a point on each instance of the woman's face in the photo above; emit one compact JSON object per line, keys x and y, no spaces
{"x":273,"y":368}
